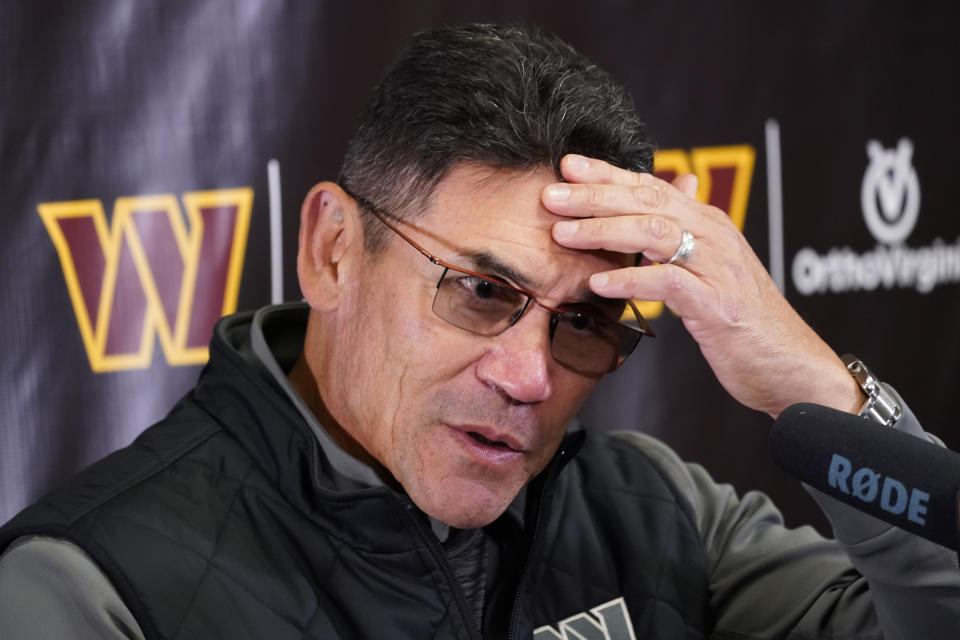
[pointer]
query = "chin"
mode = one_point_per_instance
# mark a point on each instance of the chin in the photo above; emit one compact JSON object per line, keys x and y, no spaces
{"x":465,"y":504}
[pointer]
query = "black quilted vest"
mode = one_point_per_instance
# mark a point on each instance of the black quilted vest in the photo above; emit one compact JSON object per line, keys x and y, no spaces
{"x":216,"y":523}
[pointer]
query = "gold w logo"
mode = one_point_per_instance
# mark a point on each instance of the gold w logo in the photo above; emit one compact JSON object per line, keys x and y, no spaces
{"x":724,"y":175}
{"x":148,"y":275}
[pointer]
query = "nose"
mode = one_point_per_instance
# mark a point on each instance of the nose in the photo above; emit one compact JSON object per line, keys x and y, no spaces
{"x":519,"y":360}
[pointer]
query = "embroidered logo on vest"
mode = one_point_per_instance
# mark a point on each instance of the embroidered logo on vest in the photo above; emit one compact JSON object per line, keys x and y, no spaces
{"x":608,"y":622}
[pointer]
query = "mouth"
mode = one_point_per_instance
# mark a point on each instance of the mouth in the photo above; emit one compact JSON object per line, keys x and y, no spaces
{"x":487,"y":445}
{"x":497,"y":444}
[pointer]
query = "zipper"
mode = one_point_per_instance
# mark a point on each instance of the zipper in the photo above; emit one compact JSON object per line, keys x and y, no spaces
{"x":552,"y":472}
{"x":443,"y":560}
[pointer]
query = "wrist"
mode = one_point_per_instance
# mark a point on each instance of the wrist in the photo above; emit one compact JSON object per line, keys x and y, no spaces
{"x":843,"y":392}
{"x":826,"y":382}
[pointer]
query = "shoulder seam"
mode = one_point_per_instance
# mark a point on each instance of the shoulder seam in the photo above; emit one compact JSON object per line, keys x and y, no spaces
{"x":163,"y":463}
{"x":630,"y":438}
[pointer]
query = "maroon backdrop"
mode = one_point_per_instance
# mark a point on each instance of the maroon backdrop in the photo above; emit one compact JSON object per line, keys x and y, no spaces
{"x":136,"y":198}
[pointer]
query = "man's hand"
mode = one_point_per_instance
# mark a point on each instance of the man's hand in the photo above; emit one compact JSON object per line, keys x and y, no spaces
{"x":760,"y":349}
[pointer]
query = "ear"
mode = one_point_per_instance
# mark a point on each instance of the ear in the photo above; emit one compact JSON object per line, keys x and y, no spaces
{"x":330,"y":244}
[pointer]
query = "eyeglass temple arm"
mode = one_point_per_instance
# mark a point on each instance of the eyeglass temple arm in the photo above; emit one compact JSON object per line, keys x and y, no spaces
{"x":644,"y":327}
{"x":379,"y":216}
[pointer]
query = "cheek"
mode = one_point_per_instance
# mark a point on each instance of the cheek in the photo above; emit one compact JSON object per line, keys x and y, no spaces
{"x":398,"y":364}
{"x":570,"y":392}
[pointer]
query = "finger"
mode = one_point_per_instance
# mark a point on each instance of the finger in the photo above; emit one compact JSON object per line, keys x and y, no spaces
{"x":682,"y":291}
{"x":581,"y":169}
{"x":603,"y":200}
{"x":687,"y":184}
{"x":655,"y":236}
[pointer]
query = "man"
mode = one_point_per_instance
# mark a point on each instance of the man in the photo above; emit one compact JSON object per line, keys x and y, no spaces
{"x":395,"y":457}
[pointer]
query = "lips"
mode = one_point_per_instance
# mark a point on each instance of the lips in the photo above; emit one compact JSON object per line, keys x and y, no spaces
{"x":490,"y":436}
{"x":490,"y":443}
{"x":487,"y":444}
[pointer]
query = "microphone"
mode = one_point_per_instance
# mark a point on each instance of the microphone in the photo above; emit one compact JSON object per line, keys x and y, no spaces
{"x":894,"y":476}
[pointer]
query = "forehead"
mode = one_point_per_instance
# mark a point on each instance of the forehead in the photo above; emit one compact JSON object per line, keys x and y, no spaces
{"x":487,"y":216}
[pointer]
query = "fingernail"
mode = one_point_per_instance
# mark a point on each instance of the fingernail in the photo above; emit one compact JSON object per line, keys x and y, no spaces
{"x":566,"y":229}
{"x":577,"y":163}
{"x":599,"y":279}
{"x":558,"y":192}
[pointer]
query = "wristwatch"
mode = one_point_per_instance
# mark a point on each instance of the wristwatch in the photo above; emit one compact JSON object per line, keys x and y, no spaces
{"x":881,"y":405}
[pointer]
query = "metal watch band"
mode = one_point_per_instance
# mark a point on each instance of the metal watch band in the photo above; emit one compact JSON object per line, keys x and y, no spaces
{"x":881,"y":406}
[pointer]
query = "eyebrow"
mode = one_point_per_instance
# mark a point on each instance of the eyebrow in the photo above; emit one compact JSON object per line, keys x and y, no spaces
{"x":486,"y":261}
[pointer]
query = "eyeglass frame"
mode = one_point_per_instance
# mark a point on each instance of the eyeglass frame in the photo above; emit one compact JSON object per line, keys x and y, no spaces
{"x":555,"y":313}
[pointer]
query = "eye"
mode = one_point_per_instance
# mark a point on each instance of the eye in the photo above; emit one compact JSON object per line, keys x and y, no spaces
{"x":477,"y":304}
{"x":480,"y":290}
{"x":586,"y":325}
{"x":483,"y":288}
{"x":581,"y":321}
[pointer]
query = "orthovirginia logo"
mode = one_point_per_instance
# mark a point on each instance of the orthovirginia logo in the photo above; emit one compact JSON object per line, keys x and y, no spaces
{"x":890,"y":199}
{"x":890,"y":195}
{"x":148,"y":275}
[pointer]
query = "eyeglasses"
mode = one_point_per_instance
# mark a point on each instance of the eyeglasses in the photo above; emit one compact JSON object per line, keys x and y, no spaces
{"x":581,"y":340}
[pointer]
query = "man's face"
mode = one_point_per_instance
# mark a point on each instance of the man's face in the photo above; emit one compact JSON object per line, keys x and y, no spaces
{"x":462,"y":421}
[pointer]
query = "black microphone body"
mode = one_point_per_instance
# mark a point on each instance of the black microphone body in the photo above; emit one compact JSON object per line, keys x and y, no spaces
{"x":894,"y":476}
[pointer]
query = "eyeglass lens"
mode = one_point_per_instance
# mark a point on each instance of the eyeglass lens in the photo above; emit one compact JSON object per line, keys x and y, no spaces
{"x":582,"y":341}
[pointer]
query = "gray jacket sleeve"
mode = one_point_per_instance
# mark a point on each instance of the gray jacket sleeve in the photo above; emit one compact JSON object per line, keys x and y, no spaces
{"x":767,"y":581}
{"x":51,"y":589}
